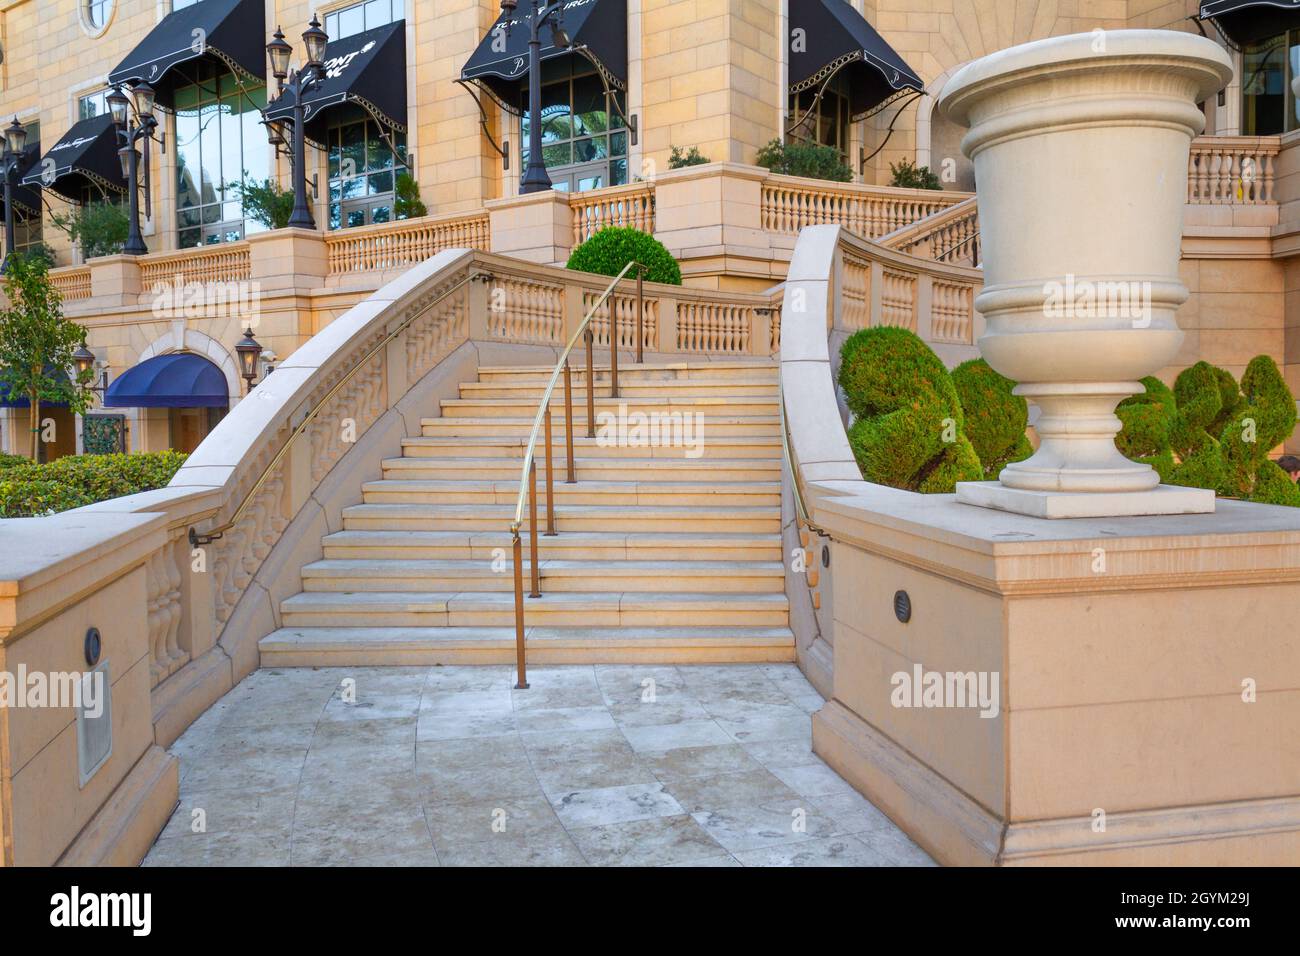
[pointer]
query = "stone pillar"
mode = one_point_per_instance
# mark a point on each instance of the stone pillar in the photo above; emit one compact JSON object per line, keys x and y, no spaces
{"x":283,"y":260}
{"x":537,"y":227}
{"x":1080,"y":145}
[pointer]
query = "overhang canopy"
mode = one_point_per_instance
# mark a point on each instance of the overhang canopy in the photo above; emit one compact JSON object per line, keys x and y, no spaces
{"x":22,"y":401}
{"x":85,"y":155}
{"x":827,"y":36}
{"x":365,"y":75}
{"x":175,"y":380}
{"x":1249,"y":21}
{"x":230,"y":31}
{"x":27,"y":199}
{"x":597,"y":28}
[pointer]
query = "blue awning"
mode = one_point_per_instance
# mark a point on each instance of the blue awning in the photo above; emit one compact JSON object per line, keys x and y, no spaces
{"x":21,"y":401}
{"x":178,"y":380}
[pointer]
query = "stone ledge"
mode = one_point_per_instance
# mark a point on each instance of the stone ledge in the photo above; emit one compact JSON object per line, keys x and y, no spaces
{"x":121,"y":833}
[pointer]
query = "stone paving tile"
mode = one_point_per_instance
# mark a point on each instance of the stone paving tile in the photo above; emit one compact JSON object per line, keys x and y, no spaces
{"x":607,"y":765}
{"x":658,"y":841}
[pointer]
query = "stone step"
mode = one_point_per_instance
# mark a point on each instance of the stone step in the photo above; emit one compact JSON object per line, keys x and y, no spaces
{"x":586,"y":469}
{"x":574,"y":545}
{"x":631,"y":372}
{"x":430,"y":646}
{"x":714,"y":446}
{"x":506,"y":492}
{"x":673,"y":435}
{"x":387,"y":574}
{"x":710,"y":406}
{"x":634,"y":388}
{"x":613,"y":609}
{"x":626,"y":518}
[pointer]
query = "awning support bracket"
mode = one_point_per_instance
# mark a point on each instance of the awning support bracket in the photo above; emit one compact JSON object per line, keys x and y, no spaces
{"x":483,"y":121}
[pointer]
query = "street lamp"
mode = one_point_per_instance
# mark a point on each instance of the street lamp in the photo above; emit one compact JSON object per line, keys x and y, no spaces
{"x":249,"y":350}
{"x":299,"y":82}
{"x":135,"y":121}
{"x":535,"y":178}
{"x":15,"y":140}
{"x":85,"y":360}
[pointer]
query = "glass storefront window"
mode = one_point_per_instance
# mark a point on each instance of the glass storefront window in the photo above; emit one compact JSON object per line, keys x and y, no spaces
{"x":828,"y":121}
{"x":219,"y":143}
{"x":584,"y":143}
{"x":363,"y":173}
{"x":92,"y":104}
{"x":1265,"y":88}
{"x":361,"y":17}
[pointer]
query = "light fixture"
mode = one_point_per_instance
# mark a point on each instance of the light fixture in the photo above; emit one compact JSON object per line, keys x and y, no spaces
{"x":560,"y":36}
{"x":248,"y":349}
{"x":124,"y":157}
{"x":279,"y":51}
{"x":143,"y":95}
{"x":509,"y":6}
{"x":83,"y":359}
{"x":118,"y":105}
{"x":315,"y":39}
{"x":15,"y":136}
{"x":274,"y":135}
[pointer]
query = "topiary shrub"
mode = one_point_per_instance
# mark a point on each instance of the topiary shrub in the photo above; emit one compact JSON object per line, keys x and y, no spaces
{"x":1147,"y":418}
{"x":1262,"y":420}
{"x":1199,"y":393}
{"x":995,"y":419}
{"x":907,"y":428}
{"x":610,"y":249}
{"x":29,"y":489}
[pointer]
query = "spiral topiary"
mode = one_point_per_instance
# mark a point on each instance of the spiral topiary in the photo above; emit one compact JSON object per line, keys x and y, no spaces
{"x":1147,"y":418}
{"x":908,"y":423}
{"x":1262,"y":420}
{"x":995,"y":419}
{"x":1199,"y":392}
{"x":610,"y":249}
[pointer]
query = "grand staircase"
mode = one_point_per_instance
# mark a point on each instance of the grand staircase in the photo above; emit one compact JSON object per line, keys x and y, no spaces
{"x":661,"y":556}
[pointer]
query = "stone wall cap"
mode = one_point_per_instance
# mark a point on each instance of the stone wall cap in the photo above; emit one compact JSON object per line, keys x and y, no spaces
{"x":1078,"y":49}
{"x":94,"y":545}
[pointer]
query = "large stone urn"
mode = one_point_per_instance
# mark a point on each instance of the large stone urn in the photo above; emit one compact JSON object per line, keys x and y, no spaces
{"x":1080,"y":145}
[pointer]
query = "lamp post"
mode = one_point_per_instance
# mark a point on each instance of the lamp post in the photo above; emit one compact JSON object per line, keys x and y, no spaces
{"x":15,"y":140}
{"x":298,"y":83}
{"x":130,"y":130}
{"x":535,"y":178}
{"x":85,"y":360}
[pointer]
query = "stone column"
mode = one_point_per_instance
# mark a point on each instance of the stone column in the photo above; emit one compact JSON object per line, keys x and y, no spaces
{"x":1080,"y":145}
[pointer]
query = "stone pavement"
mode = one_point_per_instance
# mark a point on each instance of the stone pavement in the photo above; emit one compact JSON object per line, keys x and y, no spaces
{"x":593,"y":765}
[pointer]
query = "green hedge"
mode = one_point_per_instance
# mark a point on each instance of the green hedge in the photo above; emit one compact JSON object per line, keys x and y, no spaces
{"x":28,"y":489}
{"x":610,"y":249}
{"x":995,"y":418}
{"x":908,"y":422}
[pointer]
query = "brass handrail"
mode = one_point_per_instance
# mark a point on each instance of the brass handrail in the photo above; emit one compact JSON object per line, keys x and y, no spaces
{"x":208,"y":537}
{"x":801,"y":510}
{"x":528,"y":478}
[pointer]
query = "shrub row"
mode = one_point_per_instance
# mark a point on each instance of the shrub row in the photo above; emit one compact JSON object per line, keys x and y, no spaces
{"x":28,"y":489}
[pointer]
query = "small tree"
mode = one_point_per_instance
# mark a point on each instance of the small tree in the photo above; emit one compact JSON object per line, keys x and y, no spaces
{"x":680,"y":158}
{"x":907,"y":175}
{"x":265,"y":202}
{"x":99,"y":228}
{"x":37,"y":343}
{"x":406,"y":198}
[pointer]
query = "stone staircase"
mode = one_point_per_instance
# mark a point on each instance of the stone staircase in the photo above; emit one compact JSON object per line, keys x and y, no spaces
{"x":662,"y":557}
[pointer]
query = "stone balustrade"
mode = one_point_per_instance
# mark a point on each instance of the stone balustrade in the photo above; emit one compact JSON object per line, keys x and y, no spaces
{"x":1233,"y":170}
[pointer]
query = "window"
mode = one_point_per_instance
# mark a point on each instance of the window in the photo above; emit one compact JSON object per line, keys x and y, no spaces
{"x":584,"y":142}
{"x":361,"y":17}
{"x":92,"y":104}
{"x":828,"y":121}
{"x":27,"y":227}
{"x":362,"y":172}
{"x":182,"y":4}
{"x":219,"y":142}
{"x":98,"y":12}
{"x":1264,"y":80}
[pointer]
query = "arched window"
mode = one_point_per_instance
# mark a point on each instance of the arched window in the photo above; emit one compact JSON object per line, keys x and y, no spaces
{"x":98,"y":12}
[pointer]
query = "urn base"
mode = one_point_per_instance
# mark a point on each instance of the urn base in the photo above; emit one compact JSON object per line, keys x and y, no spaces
{"x":1161,"y":500}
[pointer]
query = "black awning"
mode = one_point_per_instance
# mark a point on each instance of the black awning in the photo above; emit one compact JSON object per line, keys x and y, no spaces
{"x":598,"y":29}
{"x":1249,"y":21}
{"x":229,"y":31}
{"x":365,"y":74}
{"x":27,"y":199}
{"x":835,"y":37}
{"x":85,"y":155}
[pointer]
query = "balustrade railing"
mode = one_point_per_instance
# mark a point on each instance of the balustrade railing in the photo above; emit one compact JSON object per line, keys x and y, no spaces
{"x":790,"y":203}
{"x":632,"y":206}
{"x":227,"y":262}
{"x":1232,"y":170}
{"x":72,"y":282}
{"x":395,"y":245}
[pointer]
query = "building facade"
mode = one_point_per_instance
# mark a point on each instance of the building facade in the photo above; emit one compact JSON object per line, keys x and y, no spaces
{"x":433,"y":90}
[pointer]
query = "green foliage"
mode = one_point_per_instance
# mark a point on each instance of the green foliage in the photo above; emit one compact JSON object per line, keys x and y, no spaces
{"x":804,"y":159}
{"x":406,"y":198}
{"x":1146,"y":418}
{"x":610,"y":249}
{"x":99,"y":228}
{"x":9,"y":461}
{"x":1199,"y":397}
{"x":265,"y":202}
{"x":680,"y":158}
{"x":28,"y":489}
{"x":1262,"y":420}
{"x":907,"y":175}
{"x":908,"y":427}
{"x":37,"y":342}
{"x":995,"y":418}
